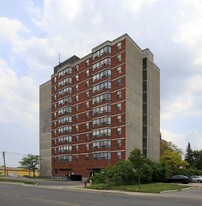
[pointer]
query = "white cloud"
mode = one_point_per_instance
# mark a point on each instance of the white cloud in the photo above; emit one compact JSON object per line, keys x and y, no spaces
{"x":187,"y":102}
{"x":11,"y":29}
{"x":136,"y":5}
{"x":189,"y":31}
{"x":18,"y":96}
{"x":181,"y":139}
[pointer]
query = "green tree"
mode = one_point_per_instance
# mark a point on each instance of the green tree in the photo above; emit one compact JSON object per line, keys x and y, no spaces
{"x":189,"y":156}
{"x":171,"y":156}
{"x":30,"y":162}
{"x":138,"y":160}
{"x":197,"y":156}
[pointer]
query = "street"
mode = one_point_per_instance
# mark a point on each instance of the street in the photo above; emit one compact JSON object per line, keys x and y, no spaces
{"x":23,"y":195}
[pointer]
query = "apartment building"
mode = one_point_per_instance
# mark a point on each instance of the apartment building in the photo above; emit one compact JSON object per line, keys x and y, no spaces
{"x":99,"y":108}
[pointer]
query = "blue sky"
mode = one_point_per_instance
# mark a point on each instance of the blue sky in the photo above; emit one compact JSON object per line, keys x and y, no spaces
{"x":34,"y":32}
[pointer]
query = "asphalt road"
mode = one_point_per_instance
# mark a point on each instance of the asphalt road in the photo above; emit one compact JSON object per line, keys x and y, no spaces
{"x":21,"y":195}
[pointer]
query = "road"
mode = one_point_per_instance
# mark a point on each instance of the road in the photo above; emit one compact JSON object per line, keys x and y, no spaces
{"x":22,"y":195}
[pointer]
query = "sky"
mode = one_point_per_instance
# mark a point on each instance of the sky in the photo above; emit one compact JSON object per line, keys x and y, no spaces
{"x":34,"y":32}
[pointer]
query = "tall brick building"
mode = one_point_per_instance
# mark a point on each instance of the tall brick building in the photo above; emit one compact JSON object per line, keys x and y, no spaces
{"x":96,"y":109}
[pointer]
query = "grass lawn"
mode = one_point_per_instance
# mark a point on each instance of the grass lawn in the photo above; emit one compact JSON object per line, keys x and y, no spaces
{"x":16,"y":181}
{"x":147,"y":188}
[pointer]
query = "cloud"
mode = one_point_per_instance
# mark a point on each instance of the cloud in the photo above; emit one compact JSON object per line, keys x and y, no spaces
{"x":18,"y":96}
{"x":136,"y":5}
{"x":181,"y":139}
{"x":189,"y":31}
{"x":187,"y":102}
{"x":11,"y":29}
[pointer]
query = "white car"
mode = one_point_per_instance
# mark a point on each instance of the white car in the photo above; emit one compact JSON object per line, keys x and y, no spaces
{"x":196,"y":179}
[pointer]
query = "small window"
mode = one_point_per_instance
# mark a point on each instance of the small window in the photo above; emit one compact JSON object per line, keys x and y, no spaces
{"x":119,"y":58}
{"x":119,"y":131}
{"x":87,"y":115}
{"x":87,"y":146}
{"x":119,"y":94}
{"x":87,"y":156}
{"x":77,"y":138}
{"x":77,"y":117}
{"x":118,"y":70}
{"x":87,"y":83}
{"x":77,"y":108}
{"x":87,"y":93}
{"x":77,"y":87}
{"x":119,"y":142}
{"x":119,"y":106}
{"x":87,"y":62}
{"x":119,"y":118}
{"x":119,"y":45}
{"x":77,"y":77}
{"x":77,"y":98}
{"x":87,"y":125}
{"x":77,"y":68}
{"x":119,"y":81}
{"x":119,"y":155}
{"x":77,"y":128}
{"x":87,"y":73}
{"x":87,"y":136}
{"x":87,"y":104}
{"x":55,"y":79}
{"x":77,"y":157}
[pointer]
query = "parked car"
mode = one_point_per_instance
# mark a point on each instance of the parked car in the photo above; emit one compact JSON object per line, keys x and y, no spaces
{"x":196,"y":179}
{"x":178,"y":178}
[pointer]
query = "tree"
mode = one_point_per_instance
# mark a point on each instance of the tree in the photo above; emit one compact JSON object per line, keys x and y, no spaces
{"x":171,"y":156}
{"x":30,"y":162}
{"x":197,"y":156}
{"x":189,"y":155}
{"x":137,"y":159}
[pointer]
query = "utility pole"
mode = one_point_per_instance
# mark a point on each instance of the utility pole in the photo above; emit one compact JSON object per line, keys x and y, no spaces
{"x":4,"y":158}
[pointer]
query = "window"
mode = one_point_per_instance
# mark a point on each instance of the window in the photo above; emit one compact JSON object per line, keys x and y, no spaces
{"x":87,"y":136}
{"x":119,"y":94}
{"x":119,"y":118}
{"x":118,"y":58}
{"x":87,"y":146}
{"x":77,"y":117}
{"x":87,"y":62}
{"x":77,"y":128}
{"x":77,"y":157}
{"x":87,"y":156}
{"x":87,"y":104}
{"x":77,"y":148}
{"x":77,"y":77}
{"x":119,"y":45}
{"x":87,"y":125}
{"x":54,"y":88}
{"x":77,"y":108}
{"x":77,"y":138}
{"x":119,"y":82}
{"x":77,"y":87}
{"x":119,"y":106}
{"x":119,"y":142}
{"x":55,"y":79}
{"x":119,"y":131}
{"x":87,"y":83}
{"x":87,"y":93}
{"x":77,"y":68}
{"x":77,"y":98}
{"x":119,"y":155}
{"x":118,"y":70}
{"x":87,"y":115}
{"x":87,"y":73}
